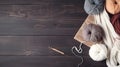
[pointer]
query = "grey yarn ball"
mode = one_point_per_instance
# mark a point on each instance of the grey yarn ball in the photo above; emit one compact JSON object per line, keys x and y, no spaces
{"x":93,"y":33}
{"x":93,"y":7}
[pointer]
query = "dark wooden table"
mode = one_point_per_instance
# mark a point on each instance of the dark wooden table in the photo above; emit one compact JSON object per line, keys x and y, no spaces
{"x":29,"y":27}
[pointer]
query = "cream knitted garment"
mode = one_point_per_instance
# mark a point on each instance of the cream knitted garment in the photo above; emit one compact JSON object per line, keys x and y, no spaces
{"x":111,"y":40}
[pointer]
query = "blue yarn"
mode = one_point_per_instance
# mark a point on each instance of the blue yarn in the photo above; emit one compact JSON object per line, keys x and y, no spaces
{"x":93,"y":7}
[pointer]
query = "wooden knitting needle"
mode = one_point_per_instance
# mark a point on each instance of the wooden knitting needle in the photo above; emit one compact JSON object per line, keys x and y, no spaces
{"x":56,"y":50}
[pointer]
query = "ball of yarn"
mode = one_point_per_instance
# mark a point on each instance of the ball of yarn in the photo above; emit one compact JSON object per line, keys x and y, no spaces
{"x":115,"y":20}
{"x":93,"y":33}
{"x":94,"y":6}
{"x":118,"y":57}
{"x":98,"y":52}
{"x":113,"y":6}
{"x":114,"y":58}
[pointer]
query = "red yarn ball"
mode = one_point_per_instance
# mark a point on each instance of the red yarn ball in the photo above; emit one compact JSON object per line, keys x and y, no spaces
{"x":115,"y":20}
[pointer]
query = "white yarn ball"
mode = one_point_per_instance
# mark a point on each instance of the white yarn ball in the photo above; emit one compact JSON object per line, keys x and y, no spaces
{"x":98,"y":52}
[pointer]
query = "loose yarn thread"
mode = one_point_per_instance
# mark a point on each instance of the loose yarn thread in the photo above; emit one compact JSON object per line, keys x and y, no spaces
{"x":79,"y":50}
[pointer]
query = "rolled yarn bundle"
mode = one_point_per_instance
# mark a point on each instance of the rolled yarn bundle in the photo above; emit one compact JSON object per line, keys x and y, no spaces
{"x":113,"y":6}
{"x":118,"y":57}
{"x":115,"y":20}
{"x":114,"y":58}
{"x":93,"y":7}
{"x":93,"y":33}
{"x":98,"y":52}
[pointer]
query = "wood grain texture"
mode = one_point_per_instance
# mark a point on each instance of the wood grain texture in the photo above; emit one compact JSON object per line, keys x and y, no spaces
{"x":40,"y":19}
{"x":34,"y":2}
{"x":29,"y":27}
{"x":45,"y":61}
{"x":37,"y":45}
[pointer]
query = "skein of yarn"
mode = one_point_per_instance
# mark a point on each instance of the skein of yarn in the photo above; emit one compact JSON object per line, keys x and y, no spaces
{"x":93,"y":7}
{"x":98,"y":52}
{"x":115,"y":20}
{"x":114,"y":60}
{"x":118,"y":58}
{"x":113,"y":6}
{"x":93,"y":33}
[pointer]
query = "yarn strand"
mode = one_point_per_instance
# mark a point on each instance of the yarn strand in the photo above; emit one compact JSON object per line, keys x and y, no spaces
{"x":79,"y":50}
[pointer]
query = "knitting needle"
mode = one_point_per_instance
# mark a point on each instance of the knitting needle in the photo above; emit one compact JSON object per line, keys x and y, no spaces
{"x":56,"y":50}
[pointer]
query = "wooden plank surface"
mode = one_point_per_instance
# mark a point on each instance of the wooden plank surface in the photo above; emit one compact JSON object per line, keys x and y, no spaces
{"x":34,"y":2}
{"x":40,"y":19}
{"x":37,"y":45}
{"x":51,"y":61}
{"x":28,"y":28}
{"x":34,"y":29}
